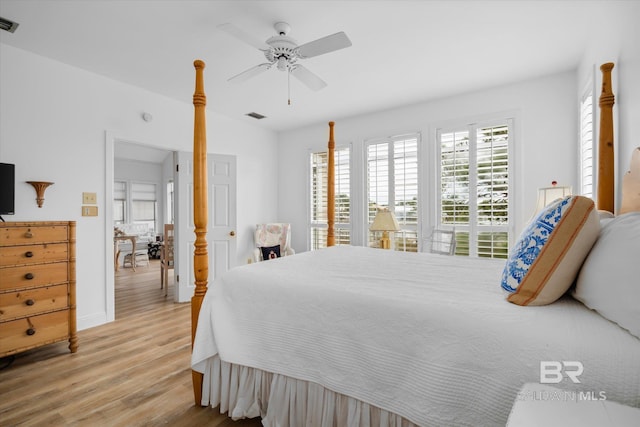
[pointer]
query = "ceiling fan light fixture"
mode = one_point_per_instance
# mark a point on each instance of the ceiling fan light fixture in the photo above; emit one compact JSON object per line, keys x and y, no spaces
{"x":282,"y":63}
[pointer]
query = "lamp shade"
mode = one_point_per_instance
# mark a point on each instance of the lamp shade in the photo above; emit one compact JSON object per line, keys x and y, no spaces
{"x":385,"y":220}
{"x":547,"y":195}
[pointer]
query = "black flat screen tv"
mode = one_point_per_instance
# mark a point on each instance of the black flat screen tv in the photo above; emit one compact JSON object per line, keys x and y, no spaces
{"x":7,"y":188}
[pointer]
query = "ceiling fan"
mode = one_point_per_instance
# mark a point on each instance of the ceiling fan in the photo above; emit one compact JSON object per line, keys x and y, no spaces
{"x":284,"y":52}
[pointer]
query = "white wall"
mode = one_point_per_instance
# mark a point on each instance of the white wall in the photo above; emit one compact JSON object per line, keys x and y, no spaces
{"x":53,"y":119}
{"x":545,"y":132}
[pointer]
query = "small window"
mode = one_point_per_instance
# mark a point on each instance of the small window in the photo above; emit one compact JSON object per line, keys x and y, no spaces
{"x":392,"y":182}
{"x":586,"y":143}
{"x":318,"y":198}
{"x":143,"y":205}
{"x":119,"y":202}
{"x":474,"y":188}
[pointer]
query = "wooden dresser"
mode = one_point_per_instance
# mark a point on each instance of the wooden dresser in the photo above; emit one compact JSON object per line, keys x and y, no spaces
{"x":37,"y":285}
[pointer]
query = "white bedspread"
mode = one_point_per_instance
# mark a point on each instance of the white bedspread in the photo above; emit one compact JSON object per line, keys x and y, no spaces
{"x":428,"y":337}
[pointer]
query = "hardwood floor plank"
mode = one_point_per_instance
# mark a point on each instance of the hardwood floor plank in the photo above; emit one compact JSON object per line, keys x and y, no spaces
{"x":131,"y":372}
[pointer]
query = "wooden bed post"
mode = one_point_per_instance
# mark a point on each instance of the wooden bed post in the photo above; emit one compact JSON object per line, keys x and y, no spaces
{"x":331,"y":240}
{"x":606,"y":178}
{"x":200,"y":212}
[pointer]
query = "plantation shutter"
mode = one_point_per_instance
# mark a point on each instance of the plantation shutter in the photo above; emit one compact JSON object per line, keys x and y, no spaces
{"x":492,"y":186}
{"x":474,"y":188}
{"x":318,"y":199}
{"x":586,"y":144}
{"x":143,"y":204}
{"x":119,"y":202}
{"x":392,"y":181}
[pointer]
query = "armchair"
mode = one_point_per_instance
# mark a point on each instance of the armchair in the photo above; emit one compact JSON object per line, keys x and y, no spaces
{"x":272,"y":240}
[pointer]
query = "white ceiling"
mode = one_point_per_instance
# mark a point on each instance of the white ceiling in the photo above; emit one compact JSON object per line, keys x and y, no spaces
{"x":403,"y":52}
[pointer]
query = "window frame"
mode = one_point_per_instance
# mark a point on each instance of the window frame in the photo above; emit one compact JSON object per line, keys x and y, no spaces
{"x":400,"y":237}
{"x":120,"y":196}
{"x":130,"y":199}
{"x":588,"y":91}
{"x":473,"y":228}
{"x":344,"y":228}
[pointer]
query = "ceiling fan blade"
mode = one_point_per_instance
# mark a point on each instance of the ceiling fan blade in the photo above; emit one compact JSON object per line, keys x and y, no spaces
{"x":251,"y":72}
{"x":324,"y":45}
{"x":312,"y":81}
{"x":243,"y":36}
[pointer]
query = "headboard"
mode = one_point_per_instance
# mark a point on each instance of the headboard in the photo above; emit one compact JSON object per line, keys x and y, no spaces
{"x":631,"y":186}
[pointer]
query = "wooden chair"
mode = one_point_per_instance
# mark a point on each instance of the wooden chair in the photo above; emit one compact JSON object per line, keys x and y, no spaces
{"x":141,"y":255}
{"x":166,"y":257}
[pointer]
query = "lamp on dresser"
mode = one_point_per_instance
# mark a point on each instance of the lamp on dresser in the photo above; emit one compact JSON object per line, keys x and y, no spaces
{"x":385,"y":221}
{"x":547,"y":195}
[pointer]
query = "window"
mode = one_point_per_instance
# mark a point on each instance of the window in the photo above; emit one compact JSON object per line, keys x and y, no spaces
{"x":474,"y":188}
{"x":143,"y":205}
{"x":170,"y":203}
{"x":318,"y":193}
{"x":119,"y":202}
{"x":392,"y":181}
{"x":586,"y":143}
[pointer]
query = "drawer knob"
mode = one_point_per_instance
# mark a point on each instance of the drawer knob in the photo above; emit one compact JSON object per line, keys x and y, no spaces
{"x":28,"y":254}
{"x":28,"y":276}
{"x":31,"y":331}
{"x":28,"y":234}
{"x":29,"y":302}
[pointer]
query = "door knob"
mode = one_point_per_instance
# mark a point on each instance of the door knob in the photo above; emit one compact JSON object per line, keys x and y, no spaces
{"x":232,"y":233}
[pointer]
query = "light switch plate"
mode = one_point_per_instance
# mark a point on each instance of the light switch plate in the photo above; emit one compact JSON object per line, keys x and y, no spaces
{"x":89,"y":198}
{"x":89,"y":211}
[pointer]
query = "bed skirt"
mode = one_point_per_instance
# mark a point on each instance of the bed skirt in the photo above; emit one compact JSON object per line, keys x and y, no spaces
{"x":281,"y":401}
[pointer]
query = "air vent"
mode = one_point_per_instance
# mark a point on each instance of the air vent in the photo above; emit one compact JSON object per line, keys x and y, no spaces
{"x":256,"y":116}
{"x":7,"y":25}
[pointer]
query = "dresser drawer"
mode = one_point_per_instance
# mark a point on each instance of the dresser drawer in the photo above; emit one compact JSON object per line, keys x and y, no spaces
{"x":33,"y":301}
{"x":30,"y":276}
{"x":33,"y":254}
{"x":22,"y":334}
{"x":10,"y":236}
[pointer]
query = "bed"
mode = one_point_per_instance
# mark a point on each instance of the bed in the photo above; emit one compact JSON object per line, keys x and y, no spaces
{"x":360,"y":337}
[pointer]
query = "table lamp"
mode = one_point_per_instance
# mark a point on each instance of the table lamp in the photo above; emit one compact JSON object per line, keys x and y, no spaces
{"x":385,"y":221}
{"x":547,"y":195}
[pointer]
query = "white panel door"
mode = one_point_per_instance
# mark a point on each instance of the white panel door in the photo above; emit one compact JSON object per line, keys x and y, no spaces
{"x":222,"y":214}
{"x":221,"y":227}
{"x":184,"y":229}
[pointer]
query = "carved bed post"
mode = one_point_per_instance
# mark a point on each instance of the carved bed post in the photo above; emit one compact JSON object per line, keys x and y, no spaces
{"x":200,"y":208}
{"x":331,"y":240}
{"x":606,"y":178}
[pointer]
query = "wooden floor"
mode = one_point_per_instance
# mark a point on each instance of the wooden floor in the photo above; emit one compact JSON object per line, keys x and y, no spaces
{"x":131,"y":372}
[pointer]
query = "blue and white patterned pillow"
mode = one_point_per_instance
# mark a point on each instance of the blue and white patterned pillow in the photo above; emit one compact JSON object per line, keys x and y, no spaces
{"x":546,"y":259}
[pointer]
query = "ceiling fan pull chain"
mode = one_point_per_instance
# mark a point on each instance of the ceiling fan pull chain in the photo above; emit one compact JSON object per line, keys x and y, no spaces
{"x":289,"y":86}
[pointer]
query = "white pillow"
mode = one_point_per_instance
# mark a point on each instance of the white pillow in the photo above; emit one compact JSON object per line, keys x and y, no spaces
{"x":609,"y":281}
{"x":545,"y":261}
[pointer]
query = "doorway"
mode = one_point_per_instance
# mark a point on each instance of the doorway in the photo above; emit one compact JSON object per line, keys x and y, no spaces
{"x":137,"y":178}
{"x":222,"y":219}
